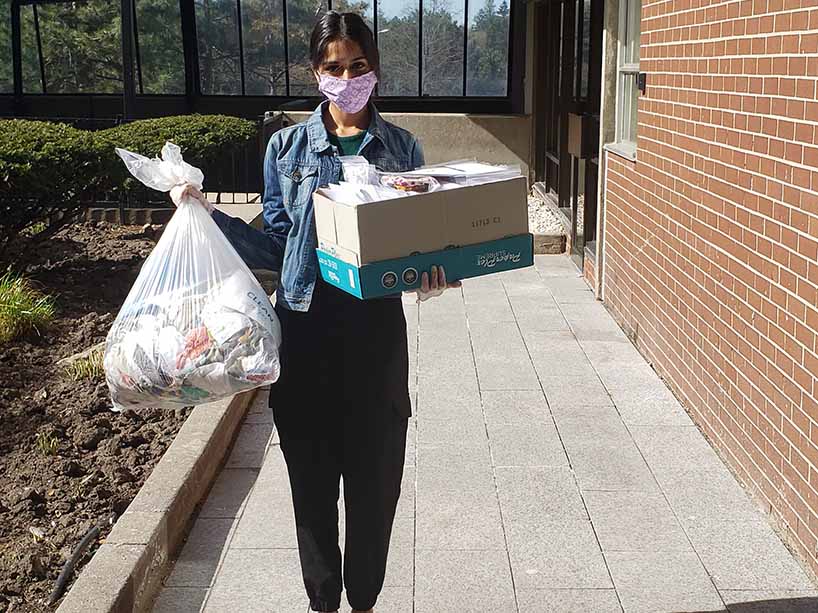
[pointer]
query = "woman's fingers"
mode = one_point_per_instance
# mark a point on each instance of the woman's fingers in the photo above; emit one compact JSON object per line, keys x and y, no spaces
{"x":441,"y":277}
{"x":435,"y":280}
{"x":424,"y":282}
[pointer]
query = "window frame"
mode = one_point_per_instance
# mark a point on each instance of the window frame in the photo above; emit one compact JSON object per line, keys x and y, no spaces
{"x":253,"y":105}
{"x":627,"y":77}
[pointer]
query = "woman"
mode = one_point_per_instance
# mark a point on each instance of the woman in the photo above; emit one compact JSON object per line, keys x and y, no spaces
{"x":342,"y":403}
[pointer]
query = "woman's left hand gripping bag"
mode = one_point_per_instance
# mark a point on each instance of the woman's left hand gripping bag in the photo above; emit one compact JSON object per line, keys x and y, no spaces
{"x":196,"y":326}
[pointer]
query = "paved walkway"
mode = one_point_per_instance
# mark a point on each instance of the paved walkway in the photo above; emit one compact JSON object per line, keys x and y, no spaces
{"x":548,"y":470}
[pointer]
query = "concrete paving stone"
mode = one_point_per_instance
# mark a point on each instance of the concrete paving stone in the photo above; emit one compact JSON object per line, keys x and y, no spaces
{"x":400,"y":567}
{"x":662,"y":582}
{"x":468,"y":432}
{"x":555,"y":553}
{"x":505,"y":364}
{"x":638,"y":392}
{"x":434,"y":457}
{"x":635,"y":521}
{"x":484,"y":283}
{"x":229,"y":493}
{"x":268,"y":521}
{"x":442,"y":348}
{"x":258,"y":581}
{"x":199,"y":559}
{"x":458,"y":399}
{"x":554,"y":266}
{"x":178,"y":599}
{"x":437,"y":479}
{"x":568,"y":601}
{"x":410,"y":459}
{"x":529,"y":493}
{"x":406,"y":502}
{"x":746,"y":556}
{"x":250,"y":446}
{"x":569,"y":391}
{"x":546,"y":320}
{"x":603,"y":455}
{"x":653,"y":413}
{"x":403,"y":533}
{"x":776,"y":601}
{"x":694,"y":479}
{"x":558,"y":359}
{"x":618,"y":355}
{"x":515,"y":407}
{"x":674,"y":450}
{"x":520,"y":275}
{"x":533,"y":444}
{"x":459,"y":520}
{"x":568,"y":298}
{"x":591,"y":321}
{"x":463,"y":582}
{"x":490,"y":311}
{"x":396,"y":600}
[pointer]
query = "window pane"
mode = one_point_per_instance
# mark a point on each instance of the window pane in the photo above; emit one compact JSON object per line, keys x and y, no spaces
{"x":364,"y":9}
{"x":442,"y":48}
{"x":159,"y":28}
{"x":627,"y":108}
{"x":488,"y":49}
{"x":218,"y":46}
{"x":32,"y":82}
{"x":633,"y":107}
{"x":586,"y":48}
{"x":263,"y":37}
{"x":634,"y":28}
{"x":398,"y":44}
{"x":301,"y":18}
{"x":82,"y":49}
{"x":6,"y":74}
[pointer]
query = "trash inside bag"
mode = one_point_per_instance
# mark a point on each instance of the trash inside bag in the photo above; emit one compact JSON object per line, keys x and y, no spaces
{"x":196,"y":326}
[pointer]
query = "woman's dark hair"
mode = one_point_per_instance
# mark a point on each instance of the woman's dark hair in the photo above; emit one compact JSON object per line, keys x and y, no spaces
{"x":334,"y":26}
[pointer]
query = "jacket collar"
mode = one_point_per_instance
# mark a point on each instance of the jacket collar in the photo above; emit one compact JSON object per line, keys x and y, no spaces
{"x":317,"y":132}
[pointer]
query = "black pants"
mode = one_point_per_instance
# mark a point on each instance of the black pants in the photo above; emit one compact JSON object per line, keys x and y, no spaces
{"x":341,"y":408}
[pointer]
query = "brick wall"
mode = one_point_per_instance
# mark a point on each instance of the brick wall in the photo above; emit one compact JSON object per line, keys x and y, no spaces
{"x":712,"y":236}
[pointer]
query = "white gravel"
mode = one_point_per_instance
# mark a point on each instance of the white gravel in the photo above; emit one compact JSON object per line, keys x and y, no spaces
{"x":542,"y":219}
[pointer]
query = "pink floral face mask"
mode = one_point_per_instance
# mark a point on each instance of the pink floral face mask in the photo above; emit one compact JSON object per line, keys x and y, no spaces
{"x":349,"y":95}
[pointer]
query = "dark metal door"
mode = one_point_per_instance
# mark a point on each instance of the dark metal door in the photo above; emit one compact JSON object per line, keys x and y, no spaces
{"x":569,"y":37}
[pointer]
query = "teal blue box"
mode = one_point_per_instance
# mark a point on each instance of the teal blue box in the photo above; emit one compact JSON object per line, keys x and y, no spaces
{"x":403,"y":274}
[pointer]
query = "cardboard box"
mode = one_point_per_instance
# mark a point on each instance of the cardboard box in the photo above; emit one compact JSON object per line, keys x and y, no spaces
{"x":380,"y":248}
{"x":403,"y":274}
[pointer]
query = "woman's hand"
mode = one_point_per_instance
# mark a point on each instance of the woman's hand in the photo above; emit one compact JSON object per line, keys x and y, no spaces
{"x":188,"y":191}
{"x":436,"y":286}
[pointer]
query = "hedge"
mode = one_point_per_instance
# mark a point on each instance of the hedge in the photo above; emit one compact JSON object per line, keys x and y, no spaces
{"x":49,"y":172}
{"x":202,"y":139}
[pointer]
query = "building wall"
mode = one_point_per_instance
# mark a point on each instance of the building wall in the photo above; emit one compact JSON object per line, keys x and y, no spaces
{"x":501,"y":139}
{"x":711,"y":236}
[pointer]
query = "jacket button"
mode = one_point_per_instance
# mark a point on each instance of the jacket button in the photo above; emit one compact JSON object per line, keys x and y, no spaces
{"x":297,"y":175}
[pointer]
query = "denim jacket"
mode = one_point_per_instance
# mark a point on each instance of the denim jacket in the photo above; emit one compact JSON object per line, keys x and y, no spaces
{"x":298,"y":160}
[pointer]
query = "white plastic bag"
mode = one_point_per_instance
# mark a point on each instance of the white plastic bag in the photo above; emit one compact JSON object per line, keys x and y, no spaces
{"x":196,"y":326}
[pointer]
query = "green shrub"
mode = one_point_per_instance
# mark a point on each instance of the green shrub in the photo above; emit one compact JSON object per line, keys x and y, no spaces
{"x":203,"y":138}
{"x":47,"y":173}
{"x":22,"y":308}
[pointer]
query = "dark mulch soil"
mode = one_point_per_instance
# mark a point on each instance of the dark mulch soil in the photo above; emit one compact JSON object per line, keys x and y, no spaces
{"x":48,"y":502}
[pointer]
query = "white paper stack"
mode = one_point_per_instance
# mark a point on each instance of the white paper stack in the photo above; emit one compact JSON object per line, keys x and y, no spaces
{"x":467,"y":172}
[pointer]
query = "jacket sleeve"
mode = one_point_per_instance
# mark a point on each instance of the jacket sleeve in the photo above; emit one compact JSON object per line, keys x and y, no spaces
{"x":264,"y":250}
{"x":418,"y":159}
